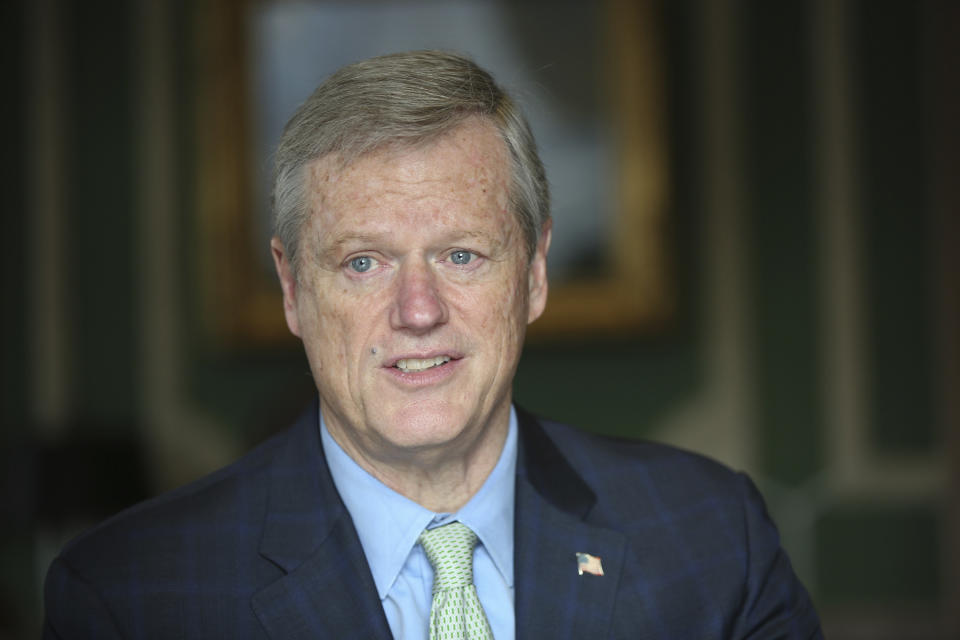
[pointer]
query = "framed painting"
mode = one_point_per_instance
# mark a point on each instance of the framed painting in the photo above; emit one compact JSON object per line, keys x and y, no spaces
{"x":590,"y":84}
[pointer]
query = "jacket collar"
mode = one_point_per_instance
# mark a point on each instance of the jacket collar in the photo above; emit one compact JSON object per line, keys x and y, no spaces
{"x":541,"y":463}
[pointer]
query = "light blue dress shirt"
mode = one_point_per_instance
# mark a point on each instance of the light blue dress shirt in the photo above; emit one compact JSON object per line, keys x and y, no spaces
{"x":389,"y":524}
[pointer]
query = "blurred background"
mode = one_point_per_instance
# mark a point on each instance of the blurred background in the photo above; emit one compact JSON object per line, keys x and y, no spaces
{"x":757,"y":202}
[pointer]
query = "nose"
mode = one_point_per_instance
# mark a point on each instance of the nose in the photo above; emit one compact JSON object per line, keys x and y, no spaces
{"x":418,"y":307}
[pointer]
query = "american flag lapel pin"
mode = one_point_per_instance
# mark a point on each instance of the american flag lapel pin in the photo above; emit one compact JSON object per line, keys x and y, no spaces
{"x":587,"y":563}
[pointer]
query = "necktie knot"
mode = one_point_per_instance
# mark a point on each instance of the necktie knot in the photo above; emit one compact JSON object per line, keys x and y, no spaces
{"x":450,"y":551}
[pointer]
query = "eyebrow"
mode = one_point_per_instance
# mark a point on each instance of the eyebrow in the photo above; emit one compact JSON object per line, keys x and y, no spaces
{"x":356,"y":238}
{"x":374,"y":238}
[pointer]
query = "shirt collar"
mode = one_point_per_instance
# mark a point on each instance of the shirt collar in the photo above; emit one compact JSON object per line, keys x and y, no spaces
{"x":389,"y":524}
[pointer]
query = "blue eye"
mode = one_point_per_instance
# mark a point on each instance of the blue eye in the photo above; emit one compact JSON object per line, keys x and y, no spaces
{"x":461,"y":257}
{"x":360,"y":264}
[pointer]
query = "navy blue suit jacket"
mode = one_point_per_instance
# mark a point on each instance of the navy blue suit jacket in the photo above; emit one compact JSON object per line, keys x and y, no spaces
{"x":265,"y":548}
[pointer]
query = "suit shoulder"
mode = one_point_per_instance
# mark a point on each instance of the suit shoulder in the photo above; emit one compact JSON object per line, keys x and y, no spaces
{"x":205,"y":507}
{"x":630,"y":474}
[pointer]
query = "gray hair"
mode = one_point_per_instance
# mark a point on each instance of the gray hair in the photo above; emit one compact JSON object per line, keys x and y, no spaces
{"x":407,"y":99}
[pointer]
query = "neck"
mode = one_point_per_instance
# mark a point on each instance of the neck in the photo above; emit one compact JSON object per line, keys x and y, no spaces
{"x":441,"y":478}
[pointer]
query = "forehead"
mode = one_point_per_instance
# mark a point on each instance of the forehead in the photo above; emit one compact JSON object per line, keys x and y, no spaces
{"x":466,"y":170}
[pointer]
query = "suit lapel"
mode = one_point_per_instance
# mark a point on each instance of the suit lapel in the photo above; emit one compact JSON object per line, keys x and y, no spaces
{"x":328,"y":590}
{"x":551,"y":526}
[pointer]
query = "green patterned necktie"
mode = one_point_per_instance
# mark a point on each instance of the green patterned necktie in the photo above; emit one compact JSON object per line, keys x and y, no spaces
{"x":456,"y":613}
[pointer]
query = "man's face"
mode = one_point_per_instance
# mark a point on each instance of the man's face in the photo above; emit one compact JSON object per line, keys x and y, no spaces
{"x":414,"y":294}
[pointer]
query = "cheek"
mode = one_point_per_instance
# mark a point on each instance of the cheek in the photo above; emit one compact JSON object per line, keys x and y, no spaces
{"x":346,"y":329}
{"x":504,"y":312}
{"x":326,"y":335}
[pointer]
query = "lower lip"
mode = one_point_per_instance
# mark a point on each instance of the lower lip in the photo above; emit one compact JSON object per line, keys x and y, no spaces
{"x":426,"y":377}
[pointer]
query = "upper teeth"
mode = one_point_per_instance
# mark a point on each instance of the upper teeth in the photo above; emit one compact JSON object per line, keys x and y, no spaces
{"x":416,"y":364}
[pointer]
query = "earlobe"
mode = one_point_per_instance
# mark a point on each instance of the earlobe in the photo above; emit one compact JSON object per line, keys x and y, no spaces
{"x":538,"y":274}
{"x":288,"y":283}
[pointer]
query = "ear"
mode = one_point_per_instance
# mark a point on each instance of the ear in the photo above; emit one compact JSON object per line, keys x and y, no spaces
{"x":538,"y":274}
{"x":288,"y":283}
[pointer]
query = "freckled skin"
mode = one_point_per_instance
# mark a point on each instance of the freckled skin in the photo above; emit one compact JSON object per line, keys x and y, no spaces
{"x":407,"y":211}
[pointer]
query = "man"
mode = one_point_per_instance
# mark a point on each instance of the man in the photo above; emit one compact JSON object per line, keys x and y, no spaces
{"x":413,"y":499}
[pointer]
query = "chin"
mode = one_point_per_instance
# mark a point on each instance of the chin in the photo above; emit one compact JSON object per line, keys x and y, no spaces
{"x":424,"y":426}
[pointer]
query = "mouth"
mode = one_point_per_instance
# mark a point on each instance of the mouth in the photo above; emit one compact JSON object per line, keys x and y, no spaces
{"x":414,"y":365}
